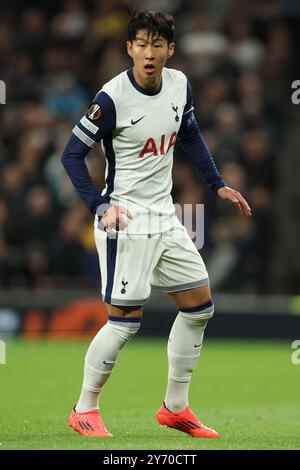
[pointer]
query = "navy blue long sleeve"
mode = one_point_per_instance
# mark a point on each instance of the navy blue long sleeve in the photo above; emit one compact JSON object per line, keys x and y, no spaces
{"x":73,"y":160}
{"x":192,"y":143}
{"x":91,"y":129}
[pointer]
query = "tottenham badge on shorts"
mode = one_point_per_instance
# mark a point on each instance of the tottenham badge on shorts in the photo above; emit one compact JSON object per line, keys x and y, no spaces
{"x":94,"y":112}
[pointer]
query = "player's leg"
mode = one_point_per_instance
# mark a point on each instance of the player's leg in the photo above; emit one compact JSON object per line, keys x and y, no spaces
{"x":123,"y":323}
{"x":124,"y":292}
{"x":185,"y":342}
{"x":100,"y":359}
{"x":184,"y":347}
{"x":192,"y":297}
{"x":182,"y":274}
{"x":124,"y":295}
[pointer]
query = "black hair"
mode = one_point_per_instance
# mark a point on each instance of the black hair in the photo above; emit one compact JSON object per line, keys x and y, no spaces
{"x":155,"y":22}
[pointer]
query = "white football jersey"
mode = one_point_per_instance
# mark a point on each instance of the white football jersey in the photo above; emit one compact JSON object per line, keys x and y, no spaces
{"x":138,"y":130}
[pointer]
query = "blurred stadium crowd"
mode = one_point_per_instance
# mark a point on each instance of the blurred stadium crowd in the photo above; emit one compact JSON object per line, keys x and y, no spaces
{"x":240,"y":59}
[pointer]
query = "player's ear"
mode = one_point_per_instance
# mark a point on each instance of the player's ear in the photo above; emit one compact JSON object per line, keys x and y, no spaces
{"x":129,"y":48}
{"x":171,"y":49}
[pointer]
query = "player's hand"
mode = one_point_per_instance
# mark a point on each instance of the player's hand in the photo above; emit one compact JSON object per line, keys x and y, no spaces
{"x":234,"y":196}
{"x":113,"y":219}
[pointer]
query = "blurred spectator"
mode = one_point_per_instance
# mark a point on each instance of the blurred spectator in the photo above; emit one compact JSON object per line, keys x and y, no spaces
{"x":228,"y":127}
{"x":257,"y":158}
{"x":246,"y":50}
{"x":65,"y":98}
{"x":66,"y":252}
{"x":71,"y":22}
{"x":35,"y":266}
{"x":32,"y":34}
{"x":39,"y":218}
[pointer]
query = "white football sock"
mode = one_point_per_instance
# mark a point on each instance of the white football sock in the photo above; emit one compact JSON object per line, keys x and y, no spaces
{"x":102,"y":356}
{"x":184,"y":347}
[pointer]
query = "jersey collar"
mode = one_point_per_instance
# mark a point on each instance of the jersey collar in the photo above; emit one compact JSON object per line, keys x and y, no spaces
{"x":141,"y":89}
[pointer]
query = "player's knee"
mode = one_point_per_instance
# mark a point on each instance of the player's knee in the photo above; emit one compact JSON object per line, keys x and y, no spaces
{"x":198,"y":315}
{"x":124,"y":328}
{"x":124,"y":311}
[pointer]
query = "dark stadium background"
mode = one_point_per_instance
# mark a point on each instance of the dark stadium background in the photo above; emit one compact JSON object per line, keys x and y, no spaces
{"x":241,"y":58}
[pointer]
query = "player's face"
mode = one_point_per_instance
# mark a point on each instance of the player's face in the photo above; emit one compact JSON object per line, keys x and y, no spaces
{"x":150,"y":54}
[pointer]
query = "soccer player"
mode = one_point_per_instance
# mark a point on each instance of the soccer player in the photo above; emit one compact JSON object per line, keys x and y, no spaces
{"x":138,"y":116}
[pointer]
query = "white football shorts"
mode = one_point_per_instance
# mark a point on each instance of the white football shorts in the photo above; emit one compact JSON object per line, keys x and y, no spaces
{"x":130,"y":265}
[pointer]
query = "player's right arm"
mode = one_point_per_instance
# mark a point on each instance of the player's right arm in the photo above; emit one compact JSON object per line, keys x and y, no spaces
{"x":95,"y":125}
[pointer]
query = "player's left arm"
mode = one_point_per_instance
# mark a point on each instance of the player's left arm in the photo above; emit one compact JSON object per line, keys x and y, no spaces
{"x":192,"y":143}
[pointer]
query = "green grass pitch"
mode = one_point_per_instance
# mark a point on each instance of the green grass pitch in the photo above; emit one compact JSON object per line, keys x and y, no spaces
{"x":247,"y":391}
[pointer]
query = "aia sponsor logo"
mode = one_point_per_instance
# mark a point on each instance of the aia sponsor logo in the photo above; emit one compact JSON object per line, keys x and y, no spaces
{"x":159,"y":147}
